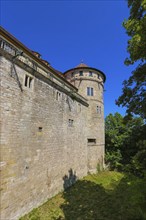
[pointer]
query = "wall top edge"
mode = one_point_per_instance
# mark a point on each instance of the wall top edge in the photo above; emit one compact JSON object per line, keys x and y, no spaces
{"x":12,"y":51}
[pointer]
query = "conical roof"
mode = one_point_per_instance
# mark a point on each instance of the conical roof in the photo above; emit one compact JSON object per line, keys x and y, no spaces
{"x":81,"y":65}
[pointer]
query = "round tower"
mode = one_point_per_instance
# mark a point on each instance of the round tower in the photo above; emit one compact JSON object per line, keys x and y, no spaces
{"x":90,"y":84}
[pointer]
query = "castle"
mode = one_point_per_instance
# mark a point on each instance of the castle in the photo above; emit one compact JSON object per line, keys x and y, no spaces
{"x":51,"y":124}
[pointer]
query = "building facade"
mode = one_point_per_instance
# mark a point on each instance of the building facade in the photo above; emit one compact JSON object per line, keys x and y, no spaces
{"x":52,"y":126}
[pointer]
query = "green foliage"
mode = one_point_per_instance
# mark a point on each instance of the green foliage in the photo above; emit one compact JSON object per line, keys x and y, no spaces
{"x":114,"y":159}
{"x":139,"y":159}
{"x":115,"y":135}
{"x":107,"y":195}
{"x":136,"y":29}
{"x":134,"y":91}
{"x":125,"y":143}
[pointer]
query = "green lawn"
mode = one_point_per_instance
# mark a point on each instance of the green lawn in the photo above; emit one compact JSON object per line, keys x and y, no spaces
{"x":105,"y":196}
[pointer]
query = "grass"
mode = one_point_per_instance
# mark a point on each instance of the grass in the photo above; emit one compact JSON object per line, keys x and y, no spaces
{"x":106,"y":196}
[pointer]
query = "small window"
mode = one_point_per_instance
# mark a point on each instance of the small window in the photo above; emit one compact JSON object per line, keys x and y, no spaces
{"x":28,"y":82}
{"x":90,"y":73}
{"x":40,"y":129}
{"x":91,"y":141}
{"x":90,"y":91}
{"x":72,"y":74}
{"x":98,"y":109}
{"x":58,"y":96}
{"x":70,"y":122}
{"x":81,"y":73}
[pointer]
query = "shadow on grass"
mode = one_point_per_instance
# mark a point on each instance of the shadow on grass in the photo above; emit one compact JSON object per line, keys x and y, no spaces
{"x":125,"y":200}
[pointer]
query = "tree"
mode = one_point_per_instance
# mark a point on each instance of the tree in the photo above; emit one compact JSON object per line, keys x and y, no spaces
{"x":125,"y":143}
{"x":134,"y":89}
{"x":115,"y":133}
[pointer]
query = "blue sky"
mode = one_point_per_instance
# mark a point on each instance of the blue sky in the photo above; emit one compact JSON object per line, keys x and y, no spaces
{"x":66,"y":32}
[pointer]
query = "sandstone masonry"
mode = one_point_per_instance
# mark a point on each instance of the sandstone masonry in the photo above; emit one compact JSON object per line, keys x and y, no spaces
{"x":52,"y":126}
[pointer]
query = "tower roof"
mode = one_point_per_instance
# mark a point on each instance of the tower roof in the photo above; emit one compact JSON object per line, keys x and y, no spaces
{"x":81,"y":65}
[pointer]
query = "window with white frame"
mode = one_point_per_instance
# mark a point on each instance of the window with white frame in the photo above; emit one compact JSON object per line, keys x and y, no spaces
{"x":90,"y":91}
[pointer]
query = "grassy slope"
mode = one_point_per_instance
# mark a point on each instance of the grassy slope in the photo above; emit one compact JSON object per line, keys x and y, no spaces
{"x":106,"y":196}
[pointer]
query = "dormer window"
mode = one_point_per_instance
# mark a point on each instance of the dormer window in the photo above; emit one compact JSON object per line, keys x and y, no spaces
{"x":81,"y":73}
{"x":90,"y":73}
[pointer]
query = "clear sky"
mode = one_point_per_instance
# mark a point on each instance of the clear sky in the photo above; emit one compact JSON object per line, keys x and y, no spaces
{"x":66,"y":32}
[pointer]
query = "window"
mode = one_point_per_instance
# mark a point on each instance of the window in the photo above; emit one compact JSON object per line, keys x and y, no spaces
{"x":40,"y":129}
{"x":90,"y":91}
{"x":90,"y":73}
{"x":72,"y":74}
{"x":58,"y":96}
{"x":98,"y":109}
{"x":81,"y":73}
{"x":91,"y":141}
{"x":70,"y":122}
{"x":28,"y":82}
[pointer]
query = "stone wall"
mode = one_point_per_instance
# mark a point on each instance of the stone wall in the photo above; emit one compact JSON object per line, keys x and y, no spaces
{"x":45,"y":126}
{"x":42,"y":138}
{"x":95,"y":113}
